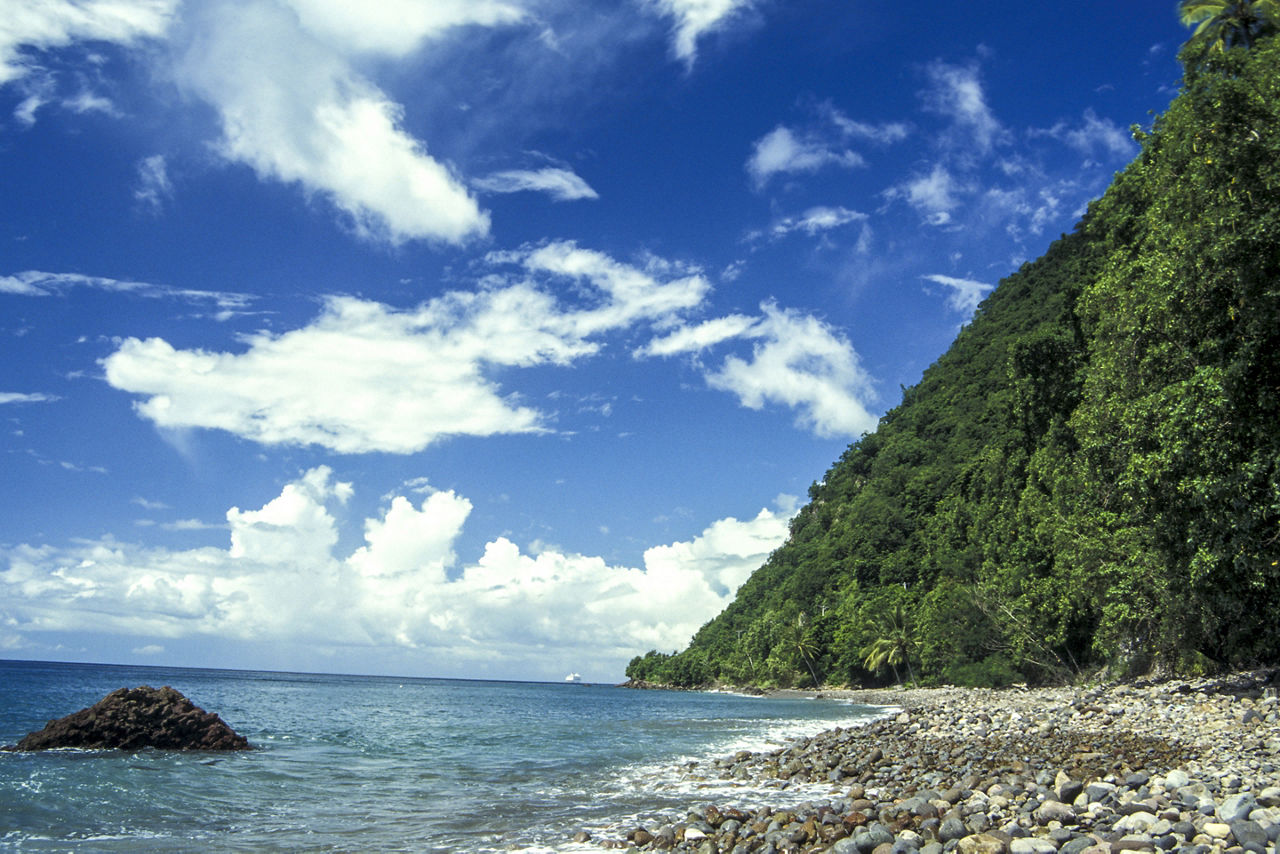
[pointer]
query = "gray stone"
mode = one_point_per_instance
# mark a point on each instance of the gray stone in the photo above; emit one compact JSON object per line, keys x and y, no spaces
{"x":1098,"y":790}
{"x":1055,"y":811}
{"x":1069,"y":790}
{"x":1237,"y":807}
{"x":1270,"y":796}
{"x":1139,"y":822}
{"x":1176,"y":779}
{"x":1246,"y":831}
{"x":1032,"y":845}
{"x":951,"y":828}
{"x":845,"y":846}
{"x":1075,"y":846}
{"x":873,"y":838}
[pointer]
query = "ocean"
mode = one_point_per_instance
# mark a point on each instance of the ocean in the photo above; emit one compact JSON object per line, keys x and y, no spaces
{"x":372,"y":763}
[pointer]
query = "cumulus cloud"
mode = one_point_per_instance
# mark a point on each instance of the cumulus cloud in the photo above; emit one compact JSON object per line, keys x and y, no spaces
{"x":283,"y":579}
{"x":966,"y":294}
{"x":694,"y":19}
{"x":313,"y":121}
{"x":783,"y":151}
{"x":37,"y":25}
{"x":400,"y":380}
{"x":801,"y":362}
{"x":561,"y":184}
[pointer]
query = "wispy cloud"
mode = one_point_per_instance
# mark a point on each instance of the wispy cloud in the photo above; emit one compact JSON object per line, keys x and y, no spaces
{"x":153,"y":188}
{"x":56,"y":23}
{"x":802,"y":363}
{"x":965,"y":294}
{"x":1093,"y":137}
{"x":37,"y":283}
{"x":561,"y":184}
{"x":782,"y":151}
{"x":694,"y":19}
{"x":956,"y":92}
{"x":935,"y":195}
{"x":8,"y":397}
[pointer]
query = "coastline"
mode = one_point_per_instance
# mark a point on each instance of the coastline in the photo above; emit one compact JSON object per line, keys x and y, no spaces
{"x":1191,"y":766}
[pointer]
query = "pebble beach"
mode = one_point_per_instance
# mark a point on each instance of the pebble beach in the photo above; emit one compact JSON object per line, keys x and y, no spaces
{"x":1187,"y":766}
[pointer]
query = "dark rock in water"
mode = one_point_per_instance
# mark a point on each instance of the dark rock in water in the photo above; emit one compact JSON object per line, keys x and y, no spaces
{"x":136,"y":718}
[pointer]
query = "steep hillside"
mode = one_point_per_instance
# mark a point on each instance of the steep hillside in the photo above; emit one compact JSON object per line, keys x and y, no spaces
{"x":1091,"y":474}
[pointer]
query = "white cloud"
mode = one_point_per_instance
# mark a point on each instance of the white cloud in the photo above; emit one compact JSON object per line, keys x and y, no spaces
{"x":694,"y":19}
{"x":18,"y":397}
{"x":315,"y":122}
{"x":957,"y":94}
{"x":802,"y":363}
{"x":965,"y":295}
{"x":693,"y":339}
{"x":282,"y":580}
{"x":816,"y":220}
{"x":38,"y":283}
{"x":27,"y":25}
{"x":934,"y":195}
{"x":561,"y":184}
{"x":397,"y":27}
{"x":782,"y":151}
{"x":397,"y":381}
{"x":149,"y":649}
{"x":154,"y":187}
{"x":1094,"y":136}
{"x":884,"y":134}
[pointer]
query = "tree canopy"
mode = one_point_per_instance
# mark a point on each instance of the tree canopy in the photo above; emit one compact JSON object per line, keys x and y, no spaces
{"x":1090,"y":476}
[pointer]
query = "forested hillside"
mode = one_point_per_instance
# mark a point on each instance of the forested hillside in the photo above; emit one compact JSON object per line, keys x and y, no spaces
{"x":1090,"y":476}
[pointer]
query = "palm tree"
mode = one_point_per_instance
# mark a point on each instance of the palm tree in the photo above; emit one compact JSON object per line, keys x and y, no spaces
{"x":805,"y":645}
{"x":1230,"y":22}
{"x":894,"y":647}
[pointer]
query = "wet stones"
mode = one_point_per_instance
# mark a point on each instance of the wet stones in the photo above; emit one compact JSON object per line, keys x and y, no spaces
{"x":1178,"y":767}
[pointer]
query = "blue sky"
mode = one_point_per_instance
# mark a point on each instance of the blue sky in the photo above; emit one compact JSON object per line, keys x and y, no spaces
{"x":493,"y":338}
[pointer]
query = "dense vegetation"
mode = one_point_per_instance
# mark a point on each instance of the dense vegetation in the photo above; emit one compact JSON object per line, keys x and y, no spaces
{"x":1090,"y":476}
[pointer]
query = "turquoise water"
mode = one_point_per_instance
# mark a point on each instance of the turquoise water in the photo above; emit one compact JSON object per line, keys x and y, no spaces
{"x":349,"y":763}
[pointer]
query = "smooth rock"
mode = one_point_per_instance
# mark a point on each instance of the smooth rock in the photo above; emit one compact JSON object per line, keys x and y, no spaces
{"x":983,"y":843}
{"x":1269,"y":797}
{"x":1216,"y":830}
{"x":1055,"y":811}
{"x":1247,"y":832}
{"x":1032,"y":845}
{"x":1139,"y":822}
{"x":1098,"y":790}
{"x":951,"y":828}
{"x":1237,"y":807}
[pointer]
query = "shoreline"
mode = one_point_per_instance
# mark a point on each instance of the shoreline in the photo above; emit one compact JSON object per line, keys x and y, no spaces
{"x":1186,"y":766}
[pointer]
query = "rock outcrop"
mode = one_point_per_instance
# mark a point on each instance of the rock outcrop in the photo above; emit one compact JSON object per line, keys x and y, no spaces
{"x":137,"y":718}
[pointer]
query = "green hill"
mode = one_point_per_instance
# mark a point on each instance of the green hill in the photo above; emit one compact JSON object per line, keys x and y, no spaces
{"x":1090,"y":476}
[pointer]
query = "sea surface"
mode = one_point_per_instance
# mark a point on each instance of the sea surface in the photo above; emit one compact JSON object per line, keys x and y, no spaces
{"x":369,"y":763}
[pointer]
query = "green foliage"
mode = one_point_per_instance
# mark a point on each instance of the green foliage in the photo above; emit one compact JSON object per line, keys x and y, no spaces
{"x":1090,"y":476}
